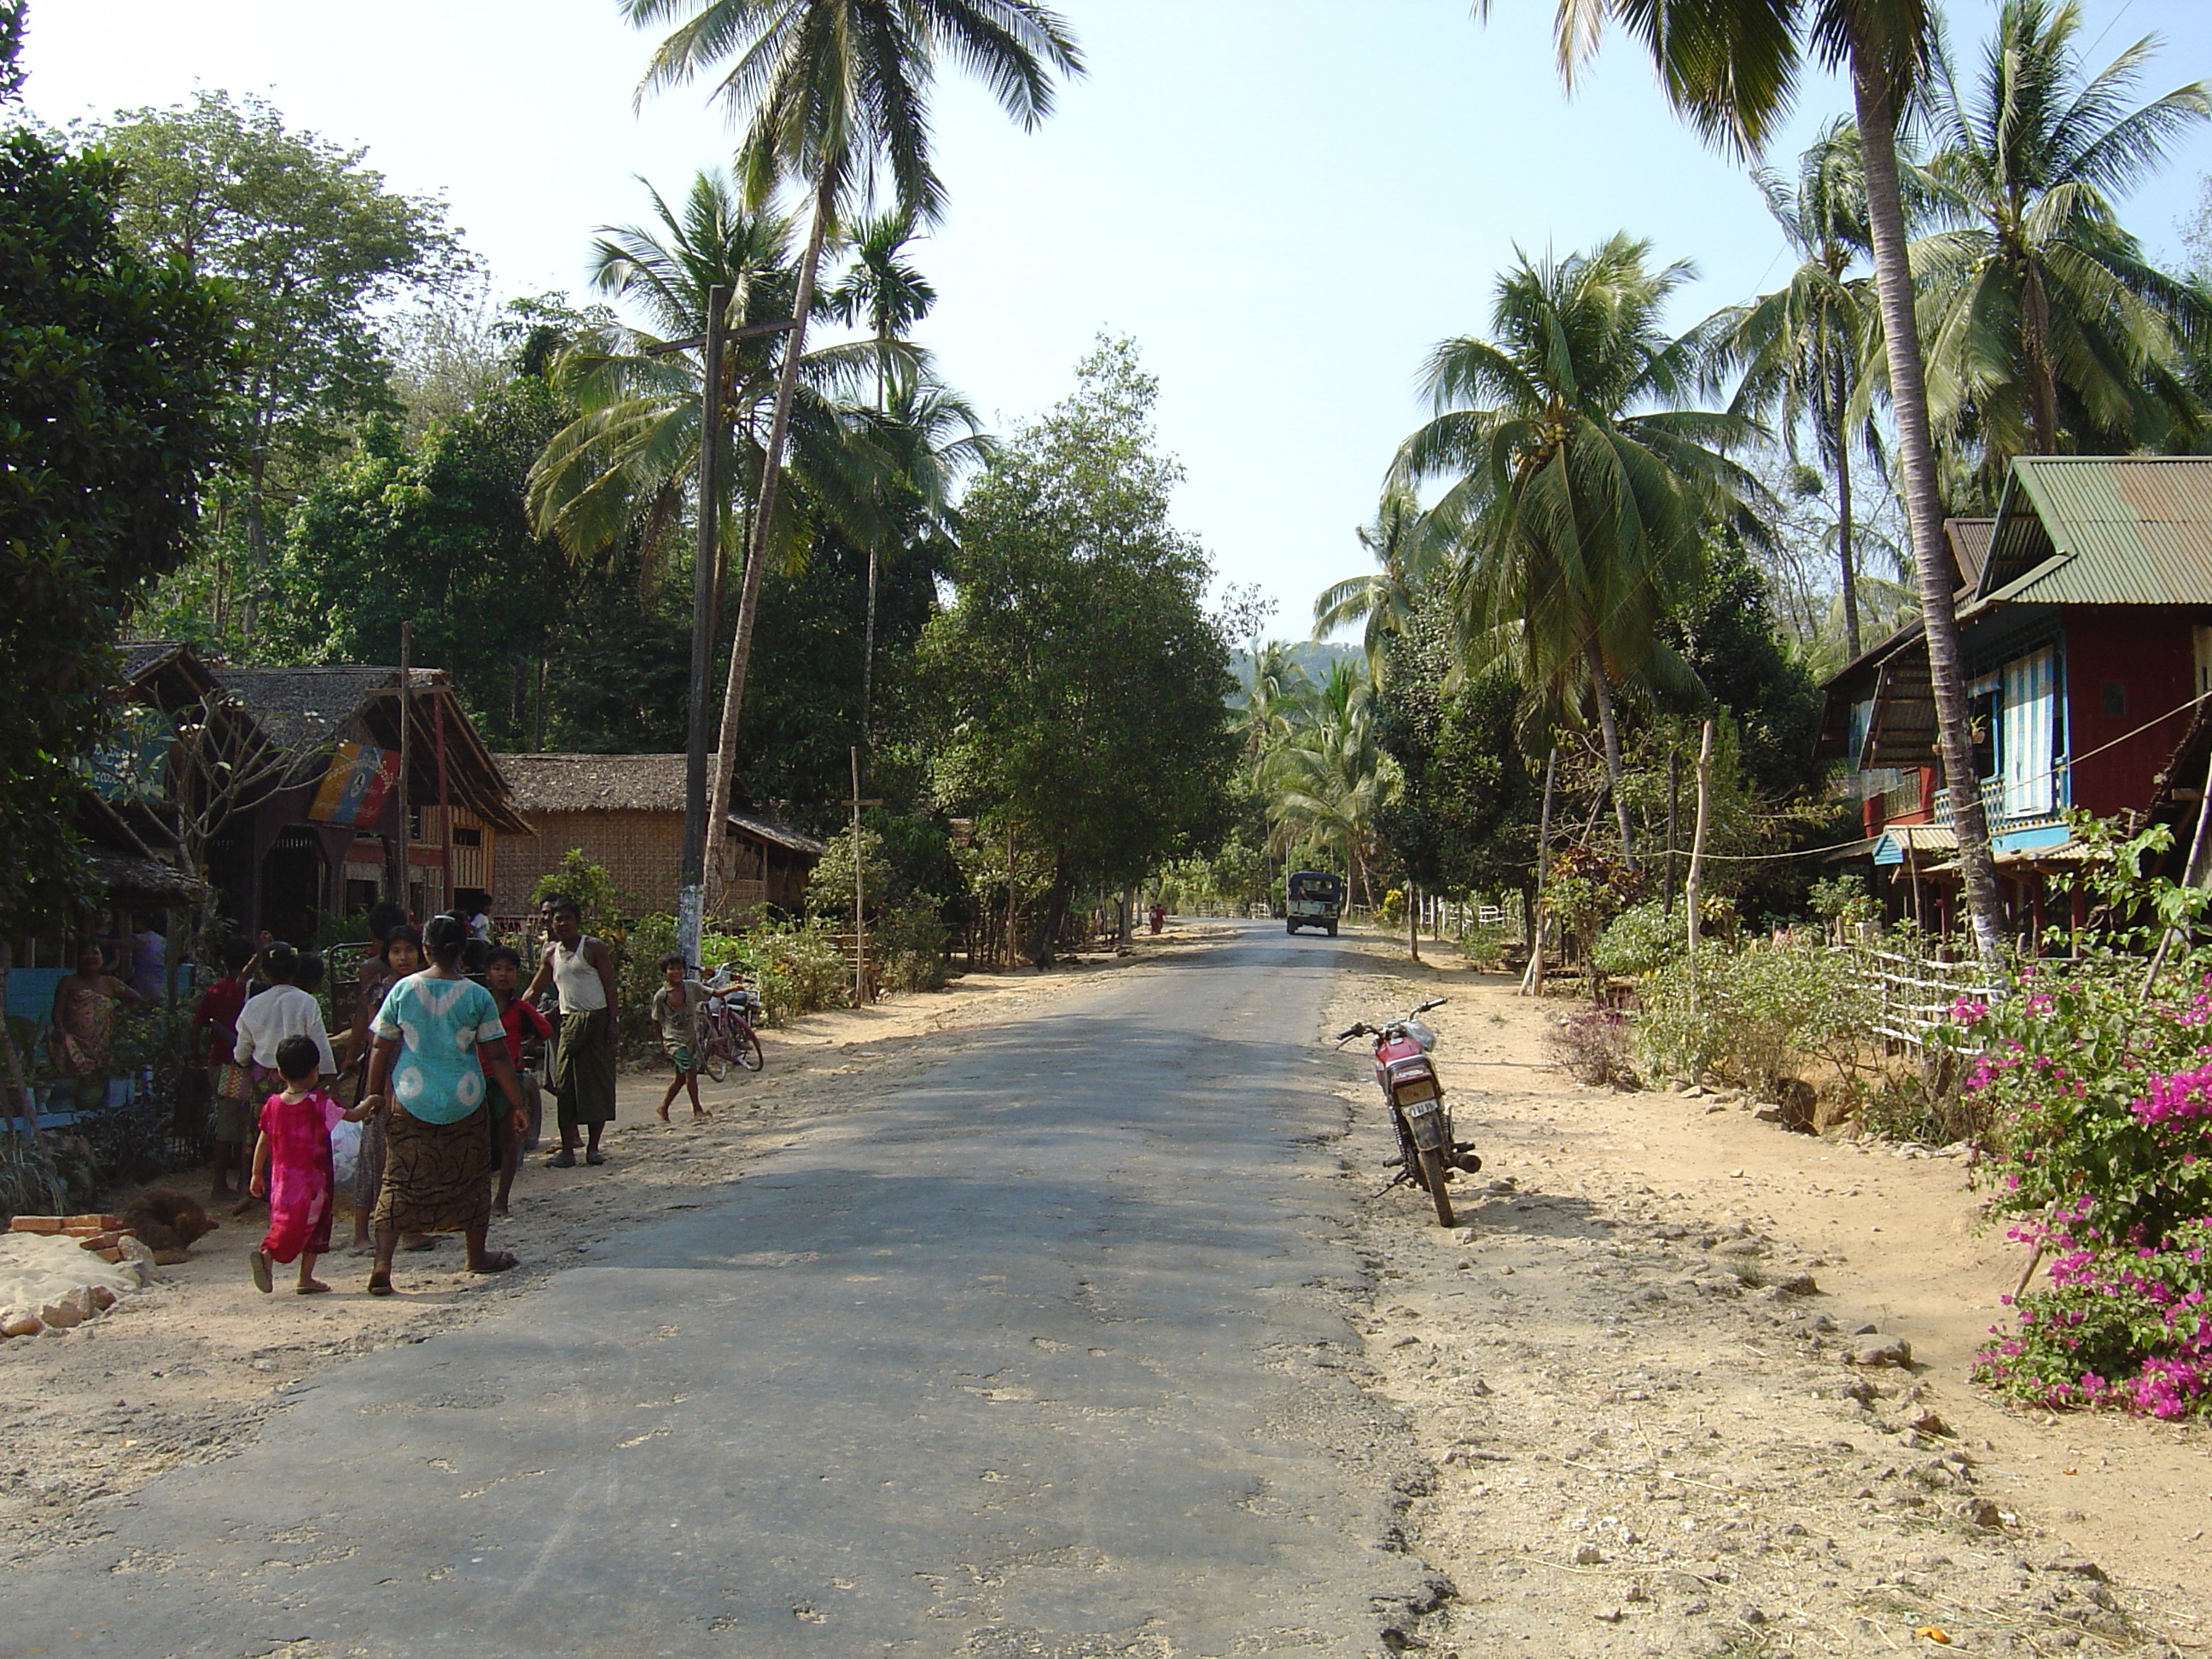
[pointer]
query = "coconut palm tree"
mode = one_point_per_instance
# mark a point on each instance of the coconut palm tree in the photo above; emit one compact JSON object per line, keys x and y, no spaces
{"x":931,"y":437}
{"x":1276,"y":705}
{"x":1582,"y":489}
{"x":626,"y":464}
{"x":1799,"y":348}
{"x":2050,"y":330}
{"x":1407,"y":558}
{"x":1329,"y":783}
{"x":835,"y":94}
{"x":888,"y":296}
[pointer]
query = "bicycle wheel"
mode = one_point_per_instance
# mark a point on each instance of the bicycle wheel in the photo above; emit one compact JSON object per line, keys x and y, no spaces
{"x":746,"y":1047}
{"x":714,"y":1062}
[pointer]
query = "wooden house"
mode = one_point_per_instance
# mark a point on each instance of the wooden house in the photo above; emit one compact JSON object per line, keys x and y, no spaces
{"x":625,"y":813}
{"x":2085,"y":619}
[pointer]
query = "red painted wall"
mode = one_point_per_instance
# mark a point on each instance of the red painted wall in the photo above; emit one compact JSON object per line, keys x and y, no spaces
{"x":2149,"y":652}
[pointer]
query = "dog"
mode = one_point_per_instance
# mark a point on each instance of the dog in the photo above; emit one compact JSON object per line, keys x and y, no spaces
{"x":167,"y":1221}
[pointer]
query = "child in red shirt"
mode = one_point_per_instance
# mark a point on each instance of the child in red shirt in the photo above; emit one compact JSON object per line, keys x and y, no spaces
{"x":292,"y":1167}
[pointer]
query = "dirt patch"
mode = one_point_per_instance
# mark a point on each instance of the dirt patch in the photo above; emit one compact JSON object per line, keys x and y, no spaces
{"x":1628,"y":1373}
{"x":183,"y":1370}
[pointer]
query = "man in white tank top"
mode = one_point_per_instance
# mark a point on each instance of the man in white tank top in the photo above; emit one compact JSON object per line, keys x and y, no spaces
{"x":581,"y":970}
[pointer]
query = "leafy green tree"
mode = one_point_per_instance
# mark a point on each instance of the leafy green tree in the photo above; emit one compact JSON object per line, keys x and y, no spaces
{"x":2051,"y":331}
{"x":111,"y":373}
{"x":1580,"y":490}
{"x":1084,"y":687}
{"x":312,"y":248}
{"x":436,"y":533}
{"x":1465,"y":815}
{"x":835,"y":94}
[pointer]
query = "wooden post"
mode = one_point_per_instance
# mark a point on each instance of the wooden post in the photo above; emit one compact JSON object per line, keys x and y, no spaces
{"x":1010,"y":894}
{"x":404,"y":880}
{"x":444,"y":802}
{"x":1413,"y":918}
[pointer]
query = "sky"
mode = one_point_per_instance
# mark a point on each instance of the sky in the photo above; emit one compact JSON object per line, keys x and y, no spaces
{"x":1285,"y":202}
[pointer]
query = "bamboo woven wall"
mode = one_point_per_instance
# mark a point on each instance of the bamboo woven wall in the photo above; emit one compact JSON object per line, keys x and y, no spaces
{"x":642,"y":852}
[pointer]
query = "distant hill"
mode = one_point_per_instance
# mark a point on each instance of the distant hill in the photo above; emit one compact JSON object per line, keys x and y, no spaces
{"x":1315,"y":658}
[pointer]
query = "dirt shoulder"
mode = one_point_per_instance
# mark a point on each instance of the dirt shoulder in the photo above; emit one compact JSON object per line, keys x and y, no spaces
{"x":185,"y":1371}
{"x":1642,"y":1440}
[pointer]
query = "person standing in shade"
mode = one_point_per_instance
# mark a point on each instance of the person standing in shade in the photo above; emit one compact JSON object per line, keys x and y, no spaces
{"x":583,"y":970}
{"x":214,"y":1024}
{"x":440,"y":1047}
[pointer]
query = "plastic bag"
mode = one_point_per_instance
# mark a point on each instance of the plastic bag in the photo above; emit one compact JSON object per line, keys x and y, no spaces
{"x":345,"y":1152}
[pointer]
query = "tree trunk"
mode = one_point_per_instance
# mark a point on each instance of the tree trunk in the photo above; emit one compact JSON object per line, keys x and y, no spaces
{"x":1693,"y":884}
{"x":1609,"y":723}
{"x":2035,"y":343}
{"x":764,"y":526}
{"x":1532,"y":982}
{"x":1846,"y":556}
{"x":1055,"y":912}
{"x":1874,"y":97}
{"x":1412,"y":919}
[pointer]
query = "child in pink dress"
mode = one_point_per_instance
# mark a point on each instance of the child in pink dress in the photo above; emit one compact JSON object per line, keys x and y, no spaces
{"x":292,"y":1167}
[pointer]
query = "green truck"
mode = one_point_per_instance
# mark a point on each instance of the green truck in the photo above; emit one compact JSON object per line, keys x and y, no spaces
{"x":1315,"y":899}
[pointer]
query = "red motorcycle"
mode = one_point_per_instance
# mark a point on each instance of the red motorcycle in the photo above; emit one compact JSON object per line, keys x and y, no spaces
{"x":1427,"y":1155}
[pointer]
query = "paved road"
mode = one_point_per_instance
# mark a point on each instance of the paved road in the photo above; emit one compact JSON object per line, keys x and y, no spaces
{"x":1037,"y":1356}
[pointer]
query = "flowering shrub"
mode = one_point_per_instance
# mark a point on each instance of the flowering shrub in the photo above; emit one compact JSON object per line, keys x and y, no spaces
{"x":2095,"y":1085}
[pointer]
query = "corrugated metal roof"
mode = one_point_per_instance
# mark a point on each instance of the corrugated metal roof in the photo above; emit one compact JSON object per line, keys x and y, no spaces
{"x":2104,"y":530}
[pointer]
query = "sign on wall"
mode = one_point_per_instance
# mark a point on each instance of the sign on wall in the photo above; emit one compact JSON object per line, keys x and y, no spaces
{"x":354,"y":789}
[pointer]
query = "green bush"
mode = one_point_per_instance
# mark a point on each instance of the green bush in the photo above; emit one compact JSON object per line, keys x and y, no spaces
{"x":1641,"y":940}
{"x":794,"y":965}
{"x":1752,"y":1016}
{"x":909,"y":945}
{"x":1484,"y":945}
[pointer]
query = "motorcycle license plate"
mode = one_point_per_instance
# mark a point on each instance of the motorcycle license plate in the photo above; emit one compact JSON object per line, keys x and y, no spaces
{"x":1421,"y":1107}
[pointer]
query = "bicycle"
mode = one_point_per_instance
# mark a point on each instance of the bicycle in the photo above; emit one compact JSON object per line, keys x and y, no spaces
{"x":726,"y":1026}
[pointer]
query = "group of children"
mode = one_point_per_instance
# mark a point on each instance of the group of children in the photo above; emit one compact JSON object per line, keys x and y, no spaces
{"x":291,"y":1133}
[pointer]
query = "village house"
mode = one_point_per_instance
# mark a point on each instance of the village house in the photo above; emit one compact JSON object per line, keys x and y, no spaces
{"x":2085,"y":622}
{"x":625,"y":813}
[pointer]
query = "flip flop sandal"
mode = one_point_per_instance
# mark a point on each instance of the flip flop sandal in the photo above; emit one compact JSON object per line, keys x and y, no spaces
{"x":497,"y":1262}
{"x":264,"y":1280}
{"x":595,"y":1157}
{"x":380,"y":1284}
{"x":316,"y":1289}
{"x":562,"y":1161}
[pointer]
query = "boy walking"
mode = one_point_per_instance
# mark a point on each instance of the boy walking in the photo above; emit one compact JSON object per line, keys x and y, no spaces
{"x":676,"y":1009}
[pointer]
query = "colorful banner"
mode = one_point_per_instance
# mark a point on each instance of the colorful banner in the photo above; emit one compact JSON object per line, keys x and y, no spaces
{"x":354,"y":788}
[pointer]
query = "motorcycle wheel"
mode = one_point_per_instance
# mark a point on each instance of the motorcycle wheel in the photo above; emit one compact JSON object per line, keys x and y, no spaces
{"x":749,"y":1051}
{"x":1433,"y":1177}
{"x":1292,"y":927}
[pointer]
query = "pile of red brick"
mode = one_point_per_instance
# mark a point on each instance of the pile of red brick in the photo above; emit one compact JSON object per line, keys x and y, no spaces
{"x":103,"y":1235}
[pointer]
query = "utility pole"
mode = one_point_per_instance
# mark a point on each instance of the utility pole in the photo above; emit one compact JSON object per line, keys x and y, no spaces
{"x":691,"y":895}
{"x":404,"y":880}
{"x":859,"y":891}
